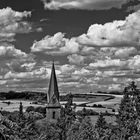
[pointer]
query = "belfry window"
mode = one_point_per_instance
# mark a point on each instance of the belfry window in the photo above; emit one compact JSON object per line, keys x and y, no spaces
{"x":53,"y":115}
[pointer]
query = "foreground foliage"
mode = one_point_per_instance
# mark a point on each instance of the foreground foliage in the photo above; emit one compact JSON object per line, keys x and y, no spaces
{"x":21,"y":125}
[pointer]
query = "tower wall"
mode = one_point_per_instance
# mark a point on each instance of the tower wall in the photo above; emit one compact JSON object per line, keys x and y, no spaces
{"x":53,"y":113}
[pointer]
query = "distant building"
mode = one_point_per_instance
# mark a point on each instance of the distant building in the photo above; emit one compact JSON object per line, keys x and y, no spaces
{"x":53,"y":105}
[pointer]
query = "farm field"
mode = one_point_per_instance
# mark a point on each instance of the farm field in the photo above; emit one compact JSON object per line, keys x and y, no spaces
{"x":108,"y":104}
{"x":14,"y":105}
{"x":90,"y":99}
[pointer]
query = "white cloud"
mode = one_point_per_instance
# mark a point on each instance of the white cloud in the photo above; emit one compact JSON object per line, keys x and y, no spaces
{"x":114,"y":87}
{"x":76,"y":59}
{"x":116,"y":33}
{"x":130,"y":63}
{"x":37,"y":73}
{"x":29,"y":66}
{"x":70,"y":47}
{"x":134,"y":63}
{"x":67,"y":69}
{"x":125,"y":52}
{"x":88,"y":50}
{"x":11,"y":52}
{"x":108,"y":52}
{"x":118,"y":52}
{"x":83,"y":4}
{"x":8,"y":15}
{"x":107,"y":63}
{"x":49,"y":44}
{"x":56,"y":45}
{"x":82,"y":72}
{"x":12,"y":59}
{"x":3,"y":82}
{"x":11,"y":23}
{"x":69,"y":84}
{"x":112,"y":73}
{"x":121,"y":36}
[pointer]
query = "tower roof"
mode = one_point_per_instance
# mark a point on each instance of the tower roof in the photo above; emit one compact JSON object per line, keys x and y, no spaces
{"x":53,"y":87}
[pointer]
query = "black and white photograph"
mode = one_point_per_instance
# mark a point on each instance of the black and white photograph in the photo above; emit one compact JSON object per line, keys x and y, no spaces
{"x":69,"y":69}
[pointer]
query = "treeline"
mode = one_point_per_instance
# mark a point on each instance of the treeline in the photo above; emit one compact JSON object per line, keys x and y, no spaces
{"x":111,"y":92}
{"x":27,"y":95}
{"x":89,"y":95}
{"x":42,"y":97}
{"x":23,"y":95}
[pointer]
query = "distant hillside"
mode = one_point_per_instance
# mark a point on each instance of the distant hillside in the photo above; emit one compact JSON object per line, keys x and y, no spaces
{"x":111,"y":92}
{"x":40,"y":96}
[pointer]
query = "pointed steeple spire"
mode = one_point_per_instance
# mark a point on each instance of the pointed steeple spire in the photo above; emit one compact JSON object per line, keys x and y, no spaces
{"x":53,"y":87}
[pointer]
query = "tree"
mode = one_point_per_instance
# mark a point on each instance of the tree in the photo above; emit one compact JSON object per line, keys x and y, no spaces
{"x":67,"y":117}
{"x":82,"y":130}
{"x":101,"y":125}
{"x":128,"y":111}
{"x":2,"y":137}
{"x":20,"y":111}
{"x":101,"y":122}
{"x":50,"y":132}
{"x":30,"y":108}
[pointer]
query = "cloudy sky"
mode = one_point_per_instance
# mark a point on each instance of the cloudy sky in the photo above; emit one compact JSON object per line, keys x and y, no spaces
{"x":95,"y":44}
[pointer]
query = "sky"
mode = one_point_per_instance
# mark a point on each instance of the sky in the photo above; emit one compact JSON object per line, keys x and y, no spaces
{"x":95,"y":44}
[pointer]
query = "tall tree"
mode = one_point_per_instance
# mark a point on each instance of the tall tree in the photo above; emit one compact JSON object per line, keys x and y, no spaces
{"x":128,"y":111}
{"x":101,"y":125}
{"x":20,"y":111}
{"x":82,"y":130}
{"x":66,"y":118}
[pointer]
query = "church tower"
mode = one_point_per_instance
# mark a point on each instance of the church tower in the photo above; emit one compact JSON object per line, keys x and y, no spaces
{"x":53,"y":105}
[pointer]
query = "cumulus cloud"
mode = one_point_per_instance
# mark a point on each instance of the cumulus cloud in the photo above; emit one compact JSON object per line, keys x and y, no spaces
{"x":12,"y":59}
{"x":114,"y":87}
{"x":56,"y":45}
{"x":37,"y":73}
{"x":124,"y":34}
{"x":125,"y":52}
{"x":116,"y":33}
{"x":3,"y":82}
{"x":134,"y":63}
{"x":128,"y":64}
{"x":11,"y":52}
{"x":113,"y":73}
{"x":11,"y":23}
{"x":83,"y":4}
{"x":66,"y":69}
{"x":108,"y":52}
{"x":28,"y":66}
{"x":117,"y":52}
{"x":82,"y":72}
{"x":108,"y":63}
{"x":49,"y":44}
{"x":76,"y":59}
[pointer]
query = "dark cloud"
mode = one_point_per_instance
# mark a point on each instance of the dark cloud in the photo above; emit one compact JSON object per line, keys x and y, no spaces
{"x":131,"y":5}
{"x":21,"y":5}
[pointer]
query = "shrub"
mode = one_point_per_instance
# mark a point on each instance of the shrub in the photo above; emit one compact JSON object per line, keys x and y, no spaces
{"x":30,"y":108}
